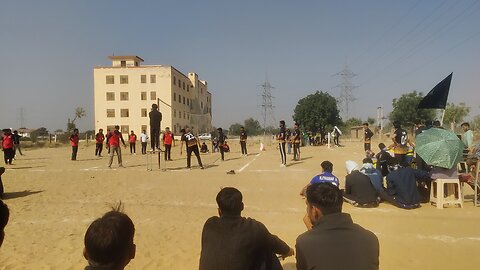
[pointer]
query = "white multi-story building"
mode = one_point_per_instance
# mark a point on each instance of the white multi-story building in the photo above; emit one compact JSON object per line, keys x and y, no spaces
{"x":124,"y":94}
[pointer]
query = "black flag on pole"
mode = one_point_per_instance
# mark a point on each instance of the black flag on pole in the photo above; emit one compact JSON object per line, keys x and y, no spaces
{"x":437,"y":97}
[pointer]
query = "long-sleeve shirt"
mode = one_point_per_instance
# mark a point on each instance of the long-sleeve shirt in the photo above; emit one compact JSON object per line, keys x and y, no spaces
{"x":402,"y":184}
{"x":237,"y":243}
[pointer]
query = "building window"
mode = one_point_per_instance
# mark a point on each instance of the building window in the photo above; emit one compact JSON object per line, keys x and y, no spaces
{"x":143,"y":95}
{"x":174,"y":113}
{"x":179,"y":98}
{"x":174,"y":80}
{"x":143,"y":78}
{"x":183,"y":100}
{"x":201,"y":90}
{"x":144,"y":112}
{"x":110,"y":128}
{"x":124,"y":113}
{"x":174,"y":129}
{"x":110,"y":96}
{"x":184,"y":115}
{"x":188,"y":116}
{"x":123,"y":63}
{"x":174,"y":96}
{"x":188,"y":88}
{"x":110,"y":79}
{"x":110,"y":112}
{"x":153,"y":78}
{"x":153,"y":95}
{"x":183,"y":85}
{"x":123,"y":95}
{"x":201,"y":104}
{"x":144,"y":128}
{"x":207,"y":99}
{"x":124,"y":129}
{"x":123,"y":79}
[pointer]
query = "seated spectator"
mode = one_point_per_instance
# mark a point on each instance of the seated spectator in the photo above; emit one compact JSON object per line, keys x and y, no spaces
{"x":325,"y":176}
{"x":359,"y":190}
{"x":384,"y":160}
{"x":334,"y":242}
{"x":204,"y":148}
{"x":233,"y":242}
{"x":377,"y":180}
{"x":109,"y":241}
{"x":406,"y":185}
{"x":4,"y":215}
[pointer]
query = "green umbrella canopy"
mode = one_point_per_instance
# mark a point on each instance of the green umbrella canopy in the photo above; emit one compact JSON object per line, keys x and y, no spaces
{"x":439,"y":147}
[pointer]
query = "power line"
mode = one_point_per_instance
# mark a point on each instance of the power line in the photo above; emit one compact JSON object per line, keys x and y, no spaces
{"x":346,"y":89}
{"x":267,"y":104}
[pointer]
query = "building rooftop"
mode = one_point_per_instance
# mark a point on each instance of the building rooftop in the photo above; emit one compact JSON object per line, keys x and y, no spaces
{"x":126,"y":57}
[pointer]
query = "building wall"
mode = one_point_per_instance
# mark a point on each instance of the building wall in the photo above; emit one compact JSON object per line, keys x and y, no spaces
{"x":181,"y":98}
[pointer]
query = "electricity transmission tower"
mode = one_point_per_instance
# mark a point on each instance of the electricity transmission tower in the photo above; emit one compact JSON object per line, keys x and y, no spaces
{"x":346,"y":87}
{"x":267,"y":105}
{"x":21,"y":117}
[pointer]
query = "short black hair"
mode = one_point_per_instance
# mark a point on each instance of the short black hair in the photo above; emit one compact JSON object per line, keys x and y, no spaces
{"x":327,"y":166}
{"x":397,"y":124}
{"x":229,"y":200}
{"x":381,"y":146}
{"x":437,"y":123}
{"x":325,"y":196}
{"x":365,"y":124}
{"x":282,"y":122}
{"x":465,"y":124}
{"x":367,"y":160}
{"x":117,"y":127}
{"x":109,"y":239}
{"x":4,"y":216}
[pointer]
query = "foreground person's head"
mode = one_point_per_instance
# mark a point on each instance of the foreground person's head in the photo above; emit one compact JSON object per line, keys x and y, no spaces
{"x":109,"y":241}
{"x":229,"y":202}
{"x":4,"y":215}
{"x":323,"y":199}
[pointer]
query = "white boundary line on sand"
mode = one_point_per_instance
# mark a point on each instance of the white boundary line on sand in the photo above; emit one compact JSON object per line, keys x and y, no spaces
{"x":246,"y":165}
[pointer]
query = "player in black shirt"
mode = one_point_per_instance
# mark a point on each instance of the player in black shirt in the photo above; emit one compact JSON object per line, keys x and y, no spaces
{"x":296,"y":142}
{"x":281,"y":137}
{"x":243,"y":141}
{"x":192,"y":146}
{"x":368,"y":137}
{"x":221,"y":142}
{"x":155,"y":119}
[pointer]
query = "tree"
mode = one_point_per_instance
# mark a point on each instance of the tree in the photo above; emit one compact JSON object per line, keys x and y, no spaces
{"x":476,"y":123}
{"x":317,"y":111}
{"x":371,"y":120}
{"x":234,"y":129}
{"x":79,"y":113}
{"x":405,"y":109}
{"x":352,"y":122}
{"x":455,"y":114}
{"x":252,"y":126}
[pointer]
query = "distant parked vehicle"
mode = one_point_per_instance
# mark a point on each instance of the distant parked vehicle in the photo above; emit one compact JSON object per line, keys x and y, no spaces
{"x":205,"y":136}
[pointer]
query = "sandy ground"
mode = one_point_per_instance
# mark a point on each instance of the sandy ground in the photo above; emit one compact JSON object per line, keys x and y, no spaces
{"x":53,"y":200}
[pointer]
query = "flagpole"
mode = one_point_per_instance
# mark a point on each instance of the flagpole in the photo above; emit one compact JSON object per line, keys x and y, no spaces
{"x":443,"y":115}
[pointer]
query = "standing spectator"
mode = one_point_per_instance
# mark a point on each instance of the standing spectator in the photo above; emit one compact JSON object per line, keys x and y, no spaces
{"x":467,"y":137}
{"x":74,"y":143}
{"x":233,"y":242}
{"x":281,"y":138}
{"x":132,"y":141}
{"x":334,"y":242}
{"x":368,"y":137}
{"x":336,"y":135}
{"x":99,"y":139}
{"x":384,"y":160}
{"x":296,"y":138}
{"x":359,"y":190}
{"x":143,"y":140}
{"x":107,"y":138}
{"x":4,"y":215}
{"x":155,"y":120}
{"x":191,"y":143}
{"x":243,"y":141}
{"x":288,"y":139}
{"x":114,"y":143}
{"x":400,"y":143}
{"x":221,"y":141}
{"x":168,"y":140}
{"x":7,"y":146}
{"x":16,"y":143}
{"x":109,"y":242}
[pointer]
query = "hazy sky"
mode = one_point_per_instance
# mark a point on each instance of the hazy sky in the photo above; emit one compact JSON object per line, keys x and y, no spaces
{"x":48,"y":50}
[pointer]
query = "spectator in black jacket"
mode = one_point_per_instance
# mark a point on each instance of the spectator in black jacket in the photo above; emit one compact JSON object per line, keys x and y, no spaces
{"x":359,"y":190}
{"x":236,"y":243}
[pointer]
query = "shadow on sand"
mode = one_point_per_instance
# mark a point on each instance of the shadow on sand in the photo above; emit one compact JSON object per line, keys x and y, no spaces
{"x":19,"y":194}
